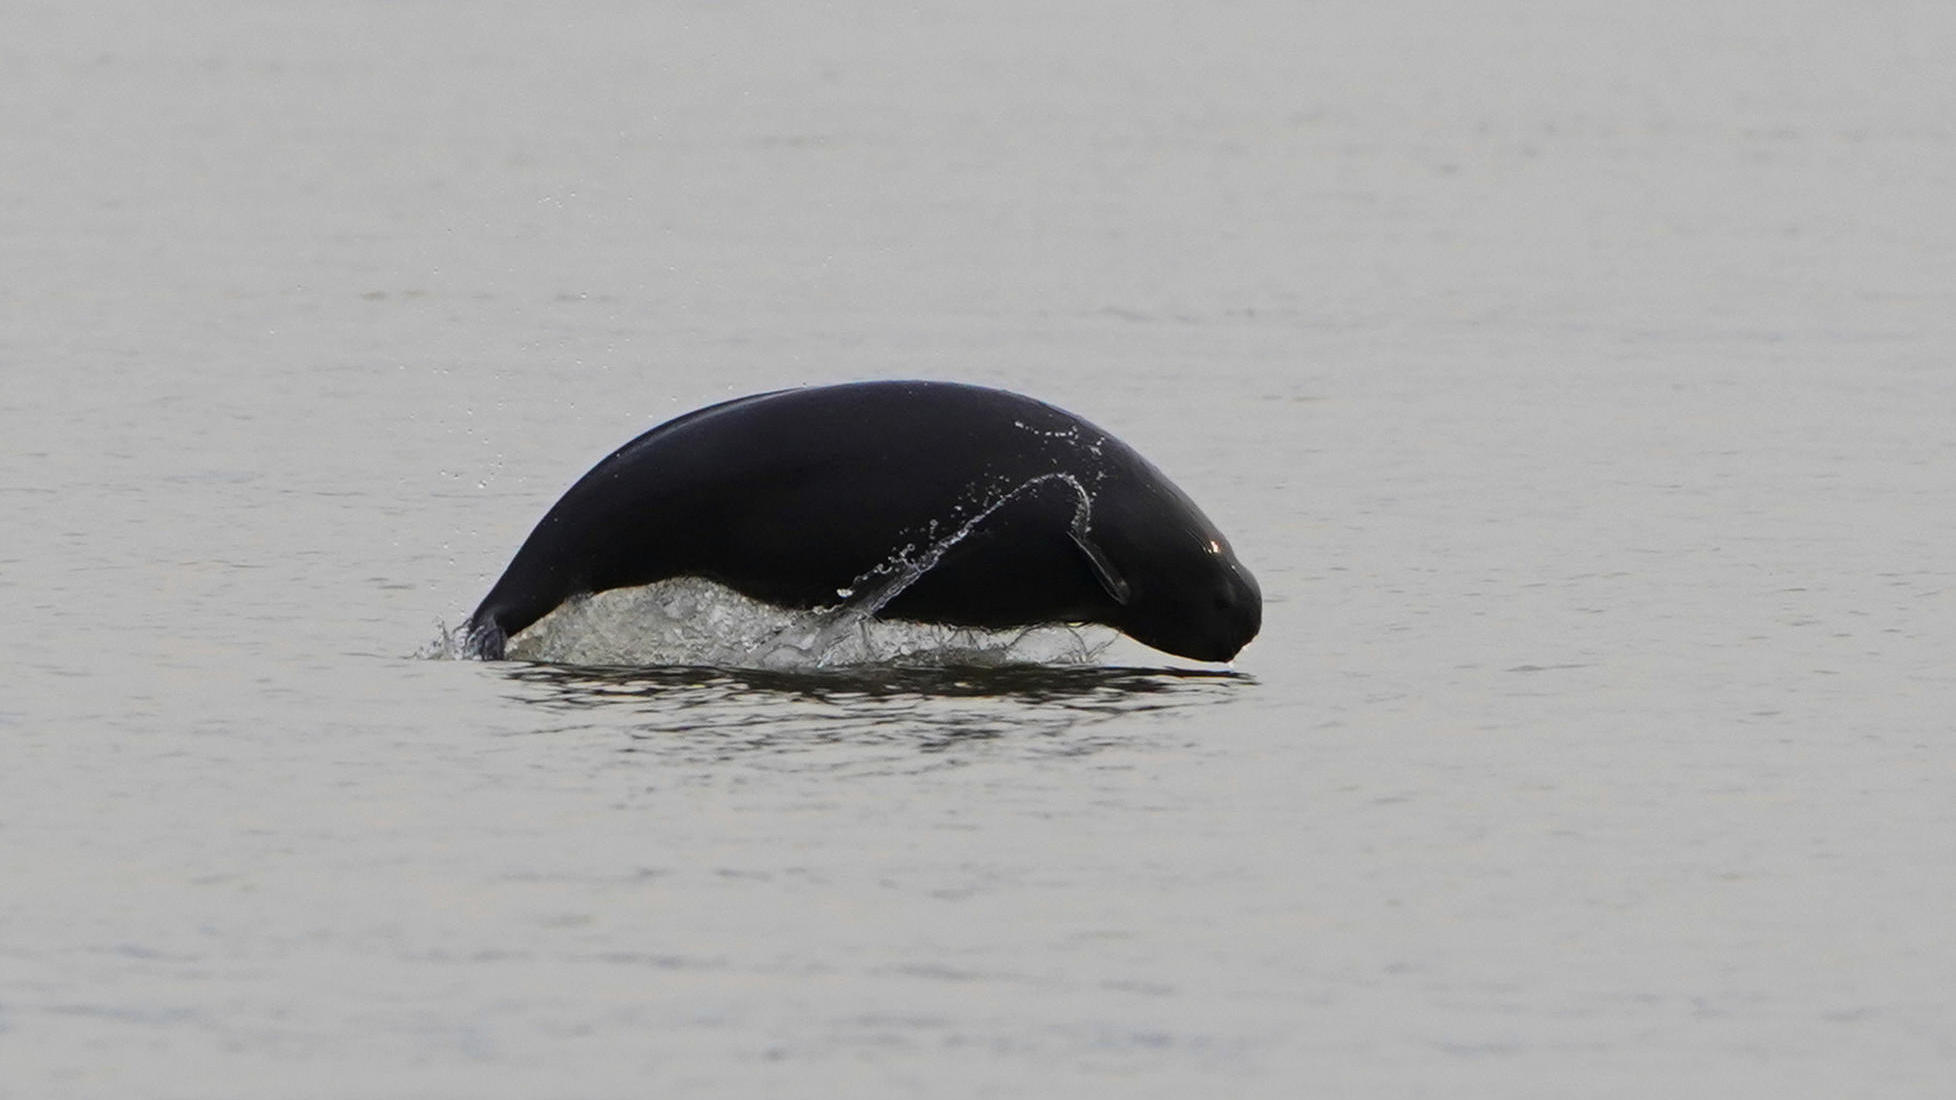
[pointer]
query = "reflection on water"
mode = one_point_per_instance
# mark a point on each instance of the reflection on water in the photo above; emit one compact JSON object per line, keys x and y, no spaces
{"x":720,"y":713}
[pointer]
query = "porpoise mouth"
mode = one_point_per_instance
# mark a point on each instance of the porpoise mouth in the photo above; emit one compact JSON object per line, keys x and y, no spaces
{"x":1239,"y":615}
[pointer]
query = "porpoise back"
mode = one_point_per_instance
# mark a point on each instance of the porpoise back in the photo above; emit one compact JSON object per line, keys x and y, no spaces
{"x":1019,"y":513}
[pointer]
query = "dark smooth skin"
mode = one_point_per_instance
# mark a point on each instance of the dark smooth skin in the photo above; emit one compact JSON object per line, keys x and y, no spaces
{"x":796,"y":496}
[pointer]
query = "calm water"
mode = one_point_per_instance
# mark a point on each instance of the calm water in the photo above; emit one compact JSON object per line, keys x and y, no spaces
{"x":1578,"y":384}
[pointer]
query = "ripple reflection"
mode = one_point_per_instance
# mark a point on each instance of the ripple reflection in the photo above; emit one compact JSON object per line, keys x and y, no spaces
{"x":717,"y":713}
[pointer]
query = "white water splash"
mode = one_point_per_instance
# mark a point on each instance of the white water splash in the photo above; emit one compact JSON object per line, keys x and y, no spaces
{"x":873,"y":591}
{"x":851,"y":633}
{"x":693,"y":621}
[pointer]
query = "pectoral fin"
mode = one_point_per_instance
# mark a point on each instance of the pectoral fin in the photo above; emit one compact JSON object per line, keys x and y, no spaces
{"x":1110,"y":578}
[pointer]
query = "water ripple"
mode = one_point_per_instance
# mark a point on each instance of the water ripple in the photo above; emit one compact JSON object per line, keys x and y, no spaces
{"x":718,"y":713}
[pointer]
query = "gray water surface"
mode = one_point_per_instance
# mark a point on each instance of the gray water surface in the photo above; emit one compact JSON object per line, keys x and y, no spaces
{"x":1577,"y":382}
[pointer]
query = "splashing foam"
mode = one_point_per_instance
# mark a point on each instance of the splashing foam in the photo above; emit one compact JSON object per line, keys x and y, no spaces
{"x":694,"y":621}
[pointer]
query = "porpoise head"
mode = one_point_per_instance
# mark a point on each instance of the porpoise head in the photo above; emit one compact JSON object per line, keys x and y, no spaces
{"x":1203,"y":605}
{"x":1175,"y":582}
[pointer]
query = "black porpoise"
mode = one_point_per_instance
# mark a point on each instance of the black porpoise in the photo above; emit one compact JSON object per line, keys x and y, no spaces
{"x":1016,"y":512}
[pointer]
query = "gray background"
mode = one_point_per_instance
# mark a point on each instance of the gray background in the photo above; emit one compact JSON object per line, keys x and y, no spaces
{"x":1576,"y":378}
